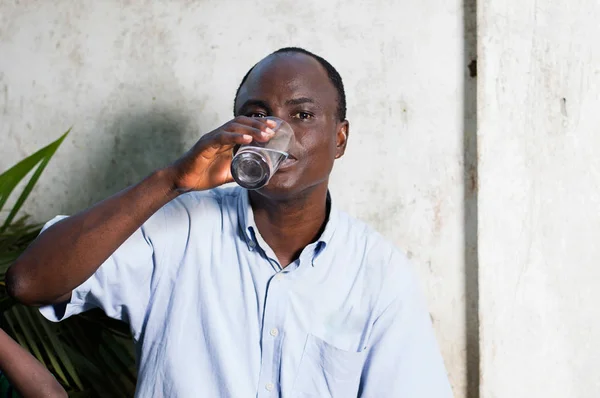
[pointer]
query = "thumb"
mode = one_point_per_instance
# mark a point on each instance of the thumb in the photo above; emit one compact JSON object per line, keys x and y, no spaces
{"x":228,"y":177}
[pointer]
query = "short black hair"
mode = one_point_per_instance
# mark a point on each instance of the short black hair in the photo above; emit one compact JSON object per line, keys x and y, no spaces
{"x":332,"y":73}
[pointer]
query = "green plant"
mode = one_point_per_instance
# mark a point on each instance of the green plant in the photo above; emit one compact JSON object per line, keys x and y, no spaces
{"x":90,"y":354}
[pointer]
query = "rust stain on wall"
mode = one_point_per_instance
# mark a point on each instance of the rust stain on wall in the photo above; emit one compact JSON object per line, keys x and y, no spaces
{"x":473,"y":68}
{"x":472,"y":179}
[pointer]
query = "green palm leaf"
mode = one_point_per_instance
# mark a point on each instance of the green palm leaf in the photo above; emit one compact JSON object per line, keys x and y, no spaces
{"x":13,"y":176}
{"x":90,"y":354}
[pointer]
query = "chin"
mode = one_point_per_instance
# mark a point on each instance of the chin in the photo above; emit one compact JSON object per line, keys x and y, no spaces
{"x":280,"y":188}
{"x":287,"y":186}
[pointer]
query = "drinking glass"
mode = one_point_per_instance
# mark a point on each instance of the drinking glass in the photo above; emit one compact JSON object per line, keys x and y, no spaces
{"x":254,"y":164}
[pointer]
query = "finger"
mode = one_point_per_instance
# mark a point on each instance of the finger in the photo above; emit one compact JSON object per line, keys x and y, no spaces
{"x":262,"y":124}
{"x":260,"y":135}
{"x":269,"y":122}
{"x":231,"y":138}
{"x":220,"y":142}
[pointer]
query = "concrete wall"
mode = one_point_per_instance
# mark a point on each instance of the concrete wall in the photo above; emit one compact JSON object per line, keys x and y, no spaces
{"x":539,"y":198}
{"x":141,"y":81}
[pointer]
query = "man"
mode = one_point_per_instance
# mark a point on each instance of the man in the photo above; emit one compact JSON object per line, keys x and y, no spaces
{"x":21,"y":375}
{"x":235,"y":293}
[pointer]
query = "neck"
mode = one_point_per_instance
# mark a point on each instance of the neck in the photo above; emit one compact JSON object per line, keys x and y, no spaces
{"x":290,"y":224}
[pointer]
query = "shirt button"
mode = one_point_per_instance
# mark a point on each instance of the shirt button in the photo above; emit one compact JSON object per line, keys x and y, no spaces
{"x":270,"y":386}
{"x":251,"y":243}
{"x":279,"y":277}
{"x":274,"y":332}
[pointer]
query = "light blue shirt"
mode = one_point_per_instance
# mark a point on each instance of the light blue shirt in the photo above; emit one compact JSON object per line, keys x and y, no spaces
{"x":214,"y":314}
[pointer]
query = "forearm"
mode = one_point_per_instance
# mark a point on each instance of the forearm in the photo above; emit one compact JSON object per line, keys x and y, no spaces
{"x":69,"y":252}
{"x":28,"y":376}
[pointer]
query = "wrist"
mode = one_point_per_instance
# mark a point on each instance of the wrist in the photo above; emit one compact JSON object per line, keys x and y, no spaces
{"x":167,"y":180}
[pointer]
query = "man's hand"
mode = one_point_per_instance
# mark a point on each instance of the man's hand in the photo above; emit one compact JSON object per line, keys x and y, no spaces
{"x":207,"y":164}
{"x":70,"y":251}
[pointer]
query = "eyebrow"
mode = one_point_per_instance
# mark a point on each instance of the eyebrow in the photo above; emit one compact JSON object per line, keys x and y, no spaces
{"x":300,"y":101}
{"x":262,"y":104}
{"x":254,"y":102}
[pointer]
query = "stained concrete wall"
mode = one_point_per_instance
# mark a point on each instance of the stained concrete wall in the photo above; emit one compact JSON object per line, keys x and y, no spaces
{"x":141,"y":81}
{"x":539,"y":198}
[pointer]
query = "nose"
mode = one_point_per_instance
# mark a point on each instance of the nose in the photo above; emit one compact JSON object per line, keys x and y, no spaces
{"x":281,"y":114}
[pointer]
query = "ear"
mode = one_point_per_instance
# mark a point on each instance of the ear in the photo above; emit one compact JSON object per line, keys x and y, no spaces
{"x":343,"y":131}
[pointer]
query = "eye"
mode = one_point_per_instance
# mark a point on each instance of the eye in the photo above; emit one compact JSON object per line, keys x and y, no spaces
{"x":302,"y":115}
{"x":256,"y":114}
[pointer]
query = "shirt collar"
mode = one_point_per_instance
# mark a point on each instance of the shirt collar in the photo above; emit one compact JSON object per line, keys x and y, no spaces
{"x":248,"y":225}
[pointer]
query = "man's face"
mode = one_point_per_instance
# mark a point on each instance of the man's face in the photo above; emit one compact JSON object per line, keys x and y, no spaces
{"x":295,"y":87}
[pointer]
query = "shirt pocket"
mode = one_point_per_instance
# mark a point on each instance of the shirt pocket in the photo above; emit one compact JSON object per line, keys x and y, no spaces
{"x":327,"y":371}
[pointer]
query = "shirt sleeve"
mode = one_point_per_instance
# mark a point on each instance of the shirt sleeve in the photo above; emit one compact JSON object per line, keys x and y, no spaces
{"x":122,"y":285}
{"x":403,"y":358}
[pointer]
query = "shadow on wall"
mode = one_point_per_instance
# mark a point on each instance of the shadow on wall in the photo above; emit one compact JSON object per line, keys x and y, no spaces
{"x":141,"y":143}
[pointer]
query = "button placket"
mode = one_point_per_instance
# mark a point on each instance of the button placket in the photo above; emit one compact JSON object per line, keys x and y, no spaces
{"x":273,"y":318}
